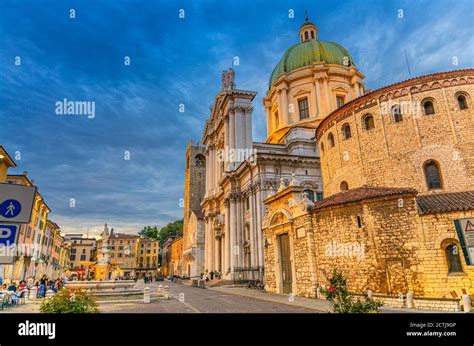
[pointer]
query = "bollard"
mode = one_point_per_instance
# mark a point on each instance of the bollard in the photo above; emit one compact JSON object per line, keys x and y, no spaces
{"x":401,"y":298}
{"x":31,"y":294}
{"x":318,"y":293}
{"x":466,"y":303}
{"x":166,"y":292}
{"x":370,"y":294}
{"x":410,"y":303}
{"x":160,"y":291}
{"x":146,"y":295}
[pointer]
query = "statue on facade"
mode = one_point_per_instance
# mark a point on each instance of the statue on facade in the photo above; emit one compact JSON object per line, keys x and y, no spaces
{"x":228,"y":77}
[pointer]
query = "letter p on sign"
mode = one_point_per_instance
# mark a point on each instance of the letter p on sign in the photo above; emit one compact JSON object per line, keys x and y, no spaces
{"x":5,"y":232}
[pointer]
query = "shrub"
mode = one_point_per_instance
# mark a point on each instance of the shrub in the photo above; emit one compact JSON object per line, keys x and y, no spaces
{"x":68,"y":301}
{"x":342,"y":302}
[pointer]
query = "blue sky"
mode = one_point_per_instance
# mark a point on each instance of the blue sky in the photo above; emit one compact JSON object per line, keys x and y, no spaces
{"x":175,"y":61}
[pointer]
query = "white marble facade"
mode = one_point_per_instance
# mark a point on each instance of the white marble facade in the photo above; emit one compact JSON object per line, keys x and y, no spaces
{"x":240,"y":174}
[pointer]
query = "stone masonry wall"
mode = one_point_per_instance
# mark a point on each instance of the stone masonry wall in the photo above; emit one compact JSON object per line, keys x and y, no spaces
{"x":382,"y":256}
{"x":392,"y":154}
{"x":436,"y":231}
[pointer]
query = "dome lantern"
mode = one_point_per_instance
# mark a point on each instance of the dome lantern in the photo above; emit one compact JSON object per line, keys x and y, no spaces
{"x":308,"y":31}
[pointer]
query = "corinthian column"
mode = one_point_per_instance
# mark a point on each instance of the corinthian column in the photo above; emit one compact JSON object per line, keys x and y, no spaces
{"x":226,"y":251}
{"x":318,"y":99}
{"x":233,"y":233}
{"x":260,"y":244}
{"x":269,"y":121}
{"x":252,"y":233}
{"x":248,"y":127}
{"x":284,"y":114}
{"x":232,"y":142}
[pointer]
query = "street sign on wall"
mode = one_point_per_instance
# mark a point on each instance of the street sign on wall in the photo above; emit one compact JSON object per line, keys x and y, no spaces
{"x":8,"y":237}
{"x":16,"y":203}
{"x":465,"y":231}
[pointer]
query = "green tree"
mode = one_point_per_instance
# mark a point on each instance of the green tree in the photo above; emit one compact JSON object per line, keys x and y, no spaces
{"x":174,"y":228}
{"x":149,"y":232}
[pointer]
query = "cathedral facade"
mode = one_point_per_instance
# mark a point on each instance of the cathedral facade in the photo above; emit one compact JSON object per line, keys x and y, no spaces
{"x":312,"y":79}
{"x":378,"y":185}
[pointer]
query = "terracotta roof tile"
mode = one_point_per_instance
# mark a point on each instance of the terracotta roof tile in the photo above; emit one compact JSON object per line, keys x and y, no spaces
{"x":360,"y":194}
{"x":444,"y":202}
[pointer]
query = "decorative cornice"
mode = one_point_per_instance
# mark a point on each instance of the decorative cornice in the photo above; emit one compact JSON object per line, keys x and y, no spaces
{"x":241,"y":109}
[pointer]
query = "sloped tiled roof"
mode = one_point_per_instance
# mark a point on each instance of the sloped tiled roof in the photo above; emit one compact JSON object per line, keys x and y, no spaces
{"x":445,"y":202}
{"x":360,"y":194}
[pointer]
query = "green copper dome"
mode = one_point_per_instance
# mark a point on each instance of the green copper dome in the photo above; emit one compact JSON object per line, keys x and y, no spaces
{"x":310,"y":52}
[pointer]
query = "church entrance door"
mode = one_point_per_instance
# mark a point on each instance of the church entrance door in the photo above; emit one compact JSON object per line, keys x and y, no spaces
{"x":286,"y":276}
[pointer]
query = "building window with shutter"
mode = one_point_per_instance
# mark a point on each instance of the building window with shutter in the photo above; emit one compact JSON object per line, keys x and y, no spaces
{"x":339,"y":101}
{"x":303,"y":108}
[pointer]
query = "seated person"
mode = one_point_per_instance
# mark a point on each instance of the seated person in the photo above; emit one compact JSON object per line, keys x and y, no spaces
{"x":12,"y":287}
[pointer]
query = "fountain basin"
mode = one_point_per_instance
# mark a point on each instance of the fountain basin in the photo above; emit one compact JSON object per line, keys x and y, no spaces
{"x":107,"y":288}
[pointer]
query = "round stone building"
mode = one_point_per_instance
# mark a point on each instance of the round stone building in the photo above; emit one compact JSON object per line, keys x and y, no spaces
{"x":416,"y":133}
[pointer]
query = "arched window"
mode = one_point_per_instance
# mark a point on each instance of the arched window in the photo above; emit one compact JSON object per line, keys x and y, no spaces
{"x":346,"y":131}
{"x":312,"y":34}
{"x":462,"y":102}
{"x":199,"y":160}
{"x":330,"y":140}
{"x":397,"y":113}
{"x":306,"y":37}
{"x":368,"y":122}
{"x":344,"y":186}
{"x":452,"y":258}
{"x":309,"y":194}
{"x":428,"y":107}
{"x":432,"y":175}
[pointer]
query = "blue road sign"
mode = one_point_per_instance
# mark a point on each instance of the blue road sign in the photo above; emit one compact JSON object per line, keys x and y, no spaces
{"x":16,"y":203}
{"x":8,"y":234}
{"x":10,"y":208}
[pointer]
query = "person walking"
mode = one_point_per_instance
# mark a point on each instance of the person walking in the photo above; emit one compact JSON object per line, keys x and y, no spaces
{"x":42,"y":286}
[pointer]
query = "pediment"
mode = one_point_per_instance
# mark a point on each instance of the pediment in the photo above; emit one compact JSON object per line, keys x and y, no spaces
{"x":340,"y":88}
{"x":300,"y":92}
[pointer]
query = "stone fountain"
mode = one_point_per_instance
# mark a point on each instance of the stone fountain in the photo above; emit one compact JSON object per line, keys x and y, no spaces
{"x":102,"y":286}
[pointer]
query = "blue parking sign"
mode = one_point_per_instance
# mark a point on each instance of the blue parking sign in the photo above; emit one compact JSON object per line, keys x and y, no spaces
{"x":8,"y":234}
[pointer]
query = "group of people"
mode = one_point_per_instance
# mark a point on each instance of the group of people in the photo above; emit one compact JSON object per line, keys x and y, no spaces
{"x":40,"y":286}
{"x":212,"y":275}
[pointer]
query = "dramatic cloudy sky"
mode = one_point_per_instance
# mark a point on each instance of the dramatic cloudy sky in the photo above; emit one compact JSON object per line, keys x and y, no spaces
{"x":175,"y":61}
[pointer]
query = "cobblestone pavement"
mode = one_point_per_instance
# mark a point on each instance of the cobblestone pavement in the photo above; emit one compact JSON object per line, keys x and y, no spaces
{"x":186,"y":299}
